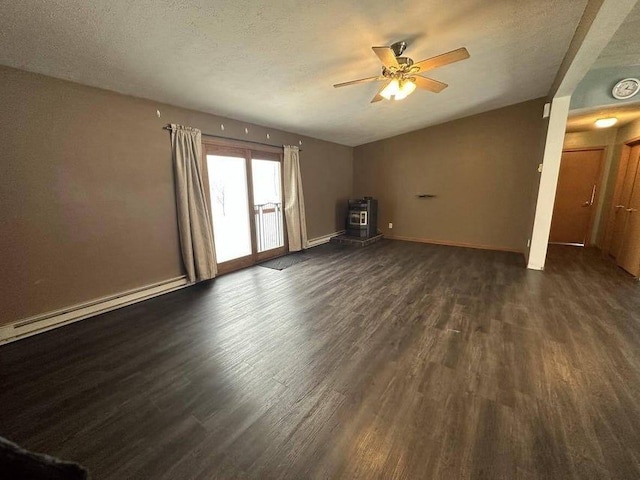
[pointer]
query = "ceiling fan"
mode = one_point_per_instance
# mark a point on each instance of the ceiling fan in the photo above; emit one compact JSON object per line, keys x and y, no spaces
{"x":400,"y":74}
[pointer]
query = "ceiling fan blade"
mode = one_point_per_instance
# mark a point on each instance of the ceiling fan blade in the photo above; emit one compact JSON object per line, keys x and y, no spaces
{"x":362,"y":80}
{"x":429,"y":84}
{"x":442,"y":60}
{"x":379,"y":97}
{"x":386,"y":56}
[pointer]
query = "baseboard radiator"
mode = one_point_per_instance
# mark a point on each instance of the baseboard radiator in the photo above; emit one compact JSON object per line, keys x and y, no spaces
{"x":314,"y":242}
{"x":50,"y":320}
{"x":47,"y":321}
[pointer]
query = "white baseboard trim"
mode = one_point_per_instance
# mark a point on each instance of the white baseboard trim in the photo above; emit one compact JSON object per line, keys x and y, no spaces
{"x":47,"y":321}
{"x":314,"y":242}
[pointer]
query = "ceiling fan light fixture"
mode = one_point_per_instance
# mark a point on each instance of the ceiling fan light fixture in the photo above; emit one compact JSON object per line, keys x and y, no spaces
{"x":407,"y":87}
{"x":391,"y":90}
{"x":398,"y":89}
{"x":606,"y":122}
{"x":402,"y":75}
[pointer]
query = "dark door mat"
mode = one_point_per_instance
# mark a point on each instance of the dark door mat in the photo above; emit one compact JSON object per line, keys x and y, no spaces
{"x":285,"y":261}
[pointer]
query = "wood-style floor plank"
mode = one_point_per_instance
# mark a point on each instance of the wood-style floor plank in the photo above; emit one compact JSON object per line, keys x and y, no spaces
{"x":398,"y":360}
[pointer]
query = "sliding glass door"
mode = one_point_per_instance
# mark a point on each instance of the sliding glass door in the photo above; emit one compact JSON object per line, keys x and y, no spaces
{"x":267,"y":204}
{"x":245,"y":195}
{"x":228,"y":191}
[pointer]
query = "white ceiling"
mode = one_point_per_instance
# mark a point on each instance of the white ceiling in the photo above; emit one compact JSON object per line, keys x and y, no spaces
{"x":619,"y":59}
{"x":623,"y":49}
{"x":273,"y":63}
{"x":595,"y":88}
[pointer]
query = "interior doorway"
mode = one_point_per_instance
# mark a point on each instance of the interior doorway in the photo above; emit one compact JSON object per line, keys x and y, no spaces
{"x":244,"y":189}
{"x":576,"y":197}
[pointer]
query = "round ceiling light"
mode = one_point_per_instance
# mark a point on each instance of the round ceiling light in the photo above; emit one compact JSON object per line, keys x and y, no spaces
{"x":606,"y":122}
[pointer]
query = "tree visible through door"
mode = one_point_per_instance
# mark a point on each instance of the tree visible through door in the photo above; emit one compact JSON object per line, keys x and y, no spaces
{"x":576,"y":194}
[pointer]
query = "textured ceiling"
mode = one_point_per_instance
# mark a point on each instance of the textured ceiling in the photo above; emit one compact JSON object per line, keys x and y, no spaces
{"x":619,"y":59}
{"x":581,"y":121}
{"x":273,"y":63}
{"x":595,"y":88}
{"x":624,"y":48}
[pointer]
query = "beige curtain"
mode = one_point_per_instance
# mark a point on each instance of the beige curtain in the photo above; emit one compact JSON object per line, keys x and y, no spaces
{"x":294,"y":200}
{"x":194,"y":222}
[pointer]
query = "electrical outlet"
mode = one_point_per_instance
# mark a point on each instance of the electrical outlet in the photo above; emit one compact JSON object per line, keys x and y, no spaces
{"x":390,"y":225}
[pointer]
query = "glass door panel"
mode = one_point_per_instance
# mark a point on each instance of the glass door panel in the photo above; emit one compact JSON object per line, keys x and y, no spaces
{"x":267,"y":204}
{"x":230,"y":208}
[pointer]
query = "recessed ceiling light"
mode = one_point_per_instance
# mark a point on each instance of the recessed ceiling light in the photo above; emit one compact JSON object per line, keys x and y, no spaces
{"x":606,"y":122}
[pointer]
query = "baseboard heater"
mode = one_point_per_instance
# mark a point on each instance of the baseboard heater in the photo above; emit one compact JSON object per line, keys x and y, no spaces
{"x":314,"y":242}
{"x":58,"y":318}
{"x":50,"y":320}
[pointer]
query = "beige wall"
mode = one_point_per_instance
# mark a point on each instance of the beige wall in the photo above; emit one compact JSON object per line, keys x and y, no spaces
{"x":483,"y":170}
{"x":628,"y":133}
{"x":600,"y":138}
{"x":87,"y":191}
{"x":591,"y":138}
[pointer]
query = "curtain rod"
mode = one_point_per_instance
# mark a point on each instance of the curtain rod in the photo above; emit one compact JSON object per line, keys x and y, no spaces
{"x":167,"y":127}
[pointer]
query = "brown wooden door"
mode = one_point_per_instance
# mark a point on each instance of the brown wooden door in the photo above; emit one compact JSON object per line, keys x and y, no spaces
{"x":629,"y":251}
{"x":628,"y":168}
{"x":574,"y":206}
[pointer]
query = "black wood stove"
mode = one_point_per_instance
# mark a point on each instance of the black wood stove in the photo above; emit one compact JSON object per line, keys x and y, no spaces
{"x":362,"y":220}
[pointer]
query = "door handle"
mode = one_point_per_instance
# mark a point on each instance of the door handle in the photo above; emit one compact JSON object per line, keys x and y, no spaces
{"x":589,"y":202}
{"x":631,"y":210}
{"x":619,"y":206}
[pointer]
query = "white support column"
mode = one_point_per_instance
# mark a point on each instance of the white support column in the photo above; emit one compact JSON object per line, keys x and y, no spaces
{"x":548,"y":182}
{"x":600,"y":20}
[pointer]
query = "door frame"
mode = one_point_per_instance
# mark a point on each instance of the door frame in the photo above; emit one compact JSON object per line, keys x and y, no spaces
{"x":248,"y":152}
{"x":597,"y":194}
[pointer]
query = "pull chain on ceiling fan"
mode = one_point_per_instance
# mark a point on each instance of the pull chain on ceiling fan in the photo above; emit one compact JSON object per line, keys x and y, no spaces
{"x":400,"y":74}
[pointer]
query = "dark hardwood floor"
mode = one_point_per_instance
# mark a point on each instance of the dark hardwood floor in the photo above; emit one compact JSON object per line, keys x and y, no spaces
{"x":398,"y":360}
